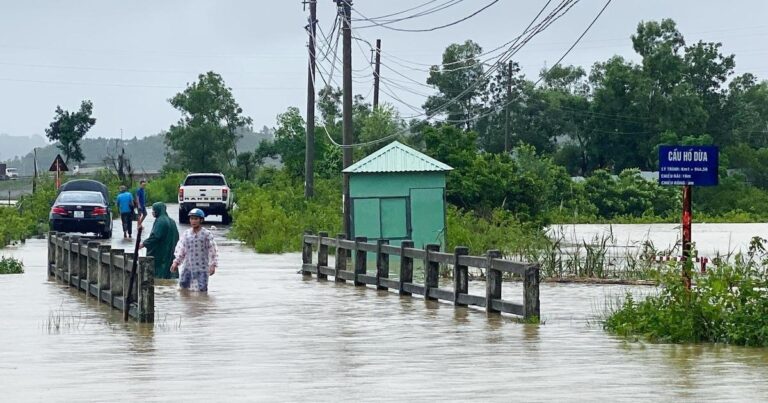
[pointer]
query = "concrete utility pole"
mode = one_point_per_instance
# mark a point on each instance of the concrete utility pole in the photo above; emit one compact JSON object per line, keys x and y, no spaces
{"x":376,"y":75}
{"x":506,"y":108}
{"x":346,"y":9}
{"x":309,"y":152}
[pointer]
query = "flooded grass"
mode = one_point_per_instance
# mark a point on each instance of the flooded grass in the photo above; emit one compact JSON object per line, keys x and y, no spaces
{"x":11,"y":265}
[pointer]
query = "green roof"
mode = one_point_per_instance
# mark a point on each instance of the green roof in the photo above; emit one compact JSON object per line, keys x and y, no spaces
{"x":396,"y":157}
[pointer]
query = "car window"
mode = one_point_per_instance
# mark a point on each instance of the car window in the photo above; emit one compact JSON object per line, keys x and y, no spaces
{"x":204,"y":181}
{"x":80,"y":197}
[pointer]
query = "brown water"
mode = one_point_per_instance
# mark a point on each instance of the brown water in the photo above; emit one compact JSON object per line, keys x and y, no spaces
{"x":264,"y":333}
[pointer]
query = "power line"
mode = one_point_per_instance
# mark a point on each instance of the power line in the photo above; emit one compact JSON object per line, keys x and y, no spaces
{"x":433,"y":10}
{"x":428,"y":29}
{"x":576,"y":42}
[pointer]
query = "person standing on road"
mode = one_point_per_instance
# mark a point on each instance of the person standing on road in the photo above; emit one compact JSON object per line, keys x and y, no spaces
{"x":198,"y":253}
{"x":125,"y":205}
{"x":141,"y":202}
{"x":162,"y":241}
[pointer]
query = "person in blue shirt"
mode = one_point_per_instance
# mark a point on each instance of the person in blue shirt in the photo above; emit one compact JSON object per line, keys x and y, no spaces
{"x":141,"y":202}
{"x":125,"y":205}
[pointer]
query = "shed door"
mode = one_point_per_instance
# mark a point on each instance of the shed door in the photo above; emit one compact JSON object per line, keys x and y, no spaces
{"x":366,"y":218}
{"x":394,"y":218}
{"x":428,"y":215}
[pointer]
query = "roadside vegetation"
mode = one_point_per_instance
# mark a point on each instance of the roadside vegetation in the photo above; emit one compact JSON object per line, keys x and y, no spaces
{"x":29,"y":217}
{"x":726,"y":305}
{"x":10,"y":265}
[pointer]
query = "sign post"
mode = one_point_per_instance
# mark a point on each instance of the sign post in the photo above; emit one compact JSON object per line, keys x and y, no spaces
{"x":58,"y":166}
{"x":688,"y":166}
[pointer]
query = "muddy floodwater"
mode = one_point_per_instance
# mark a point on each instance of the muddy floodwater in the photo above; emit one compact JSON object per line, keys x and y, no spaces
{"x":264,"y":333}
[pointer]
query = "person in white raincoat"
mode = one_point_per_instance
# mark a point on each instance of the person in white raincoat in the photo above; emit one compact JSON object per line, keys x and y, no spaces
{"x":197,"y":253}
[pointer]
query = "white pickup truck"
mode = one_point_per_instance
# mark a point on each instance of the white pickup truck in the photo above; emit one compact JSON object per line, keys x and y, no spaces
{"x":208,"y":192}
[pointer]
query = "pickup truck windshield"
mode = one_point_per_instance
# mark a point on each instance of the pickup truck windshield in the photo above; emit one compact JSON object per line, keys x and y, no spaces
{"x":204,"y":181}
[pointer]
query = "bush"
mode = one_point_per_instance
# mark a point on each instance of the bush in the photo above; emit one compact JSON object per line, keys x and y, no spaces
{"x":273,"y":213}
{"x":165,"y":188}
{"x":29,"y":217}
{"x":727,"y":305}
{"x":9,"y":265}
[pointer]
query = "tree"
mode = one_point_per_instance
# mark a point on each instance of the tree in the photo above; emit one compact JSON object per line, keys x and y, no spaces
{"x":205,"y":137}
{"x":461,"y":82}
{"x":68,"y":128}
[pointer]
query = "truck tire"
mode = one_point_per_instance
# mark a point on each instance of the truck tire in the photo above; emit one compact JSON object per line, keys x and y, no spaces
{"x":183,"y":216}
{"x":226,"y":219}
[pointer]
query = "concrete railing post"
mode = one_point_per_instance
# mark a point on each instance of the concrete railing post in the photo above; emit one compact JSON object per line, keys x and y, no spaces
{"x":382,"y":263}
{"x":460,"y":274}
{"x":341,"y":259}
{"x":361,"y":259}
{"x":406,"y":267}
{"x":531,"y":304}
{"x":431,"y":271}
{"x":322,"y":254}
{"x":492,"y":281}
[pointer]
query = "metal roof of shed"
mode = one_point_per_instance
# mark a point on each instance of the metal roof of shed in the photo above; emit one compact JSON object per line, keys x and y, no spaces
{"x":397,"y":157}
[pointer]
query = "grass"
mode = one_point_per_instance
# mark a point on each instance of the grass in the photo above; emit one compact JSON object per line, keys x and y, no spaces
{"x":727,"y":305}
{"x":10,"y":265}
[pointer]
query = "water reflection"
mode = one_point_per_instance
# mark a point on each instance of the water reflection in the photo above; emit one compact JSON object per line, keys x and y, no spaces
{"x":261,"y":333}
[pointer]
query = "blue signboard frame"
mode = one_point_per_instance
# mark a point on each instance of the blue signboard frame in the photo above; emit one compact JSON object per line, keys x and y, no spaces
{"x":688,"y":165}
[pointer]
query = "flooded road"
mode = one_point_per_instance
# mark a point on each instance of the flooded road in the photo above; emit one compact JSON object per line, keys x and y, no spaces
{"x":265,"y":334}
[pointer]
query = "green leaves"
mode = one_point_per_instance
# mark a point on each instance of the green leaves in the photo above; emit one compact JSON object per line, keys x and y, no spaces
{"x":205,"y":138}
{"x":68,"y":128}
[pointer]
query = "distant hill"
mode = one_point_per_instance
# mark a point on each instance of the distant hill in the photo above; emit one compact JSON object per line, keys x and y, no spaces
{"x":147,"y":154}
{"x":13,"y":146}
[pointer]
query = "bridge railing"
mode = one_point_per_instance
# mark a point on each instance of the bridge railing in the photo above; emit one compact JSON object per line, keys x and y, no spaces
{"x":460,"y":260}
{"x":104,"y":273}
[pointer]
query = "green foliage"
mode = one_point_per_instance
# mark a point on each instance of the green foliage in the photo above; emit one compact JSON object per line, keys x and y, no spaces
{"x":29,"y":217}
{"x":727,"y":305}
{"x":500,"y":230}
{"x":272,"y":213}
{"x":205,"y":138}
{"x":629,"y":195}
{"x":164,"y":188}
{"x":10,"y":265}
{"x":68,"y":128}
{"x":290,"y":146}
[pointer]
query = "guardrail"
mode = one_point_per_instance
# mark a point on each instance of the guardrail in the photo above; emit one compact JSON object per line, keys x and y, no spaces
{"x":104,"y":273}
{"x":460,"y":260}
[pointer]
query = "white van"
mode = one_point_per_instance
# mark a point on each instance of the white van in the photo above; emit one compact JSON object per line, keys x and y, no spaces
{"x":12,"y":173}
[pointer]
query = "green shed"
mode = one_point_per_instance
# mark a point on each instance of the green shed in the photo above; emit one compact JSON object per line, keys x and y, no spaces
{"x":398,"y":193}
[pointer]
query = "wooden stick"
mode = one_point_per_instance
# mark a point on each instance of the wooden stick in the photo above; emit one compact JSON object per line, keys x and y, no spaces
{"x":127,"y":309}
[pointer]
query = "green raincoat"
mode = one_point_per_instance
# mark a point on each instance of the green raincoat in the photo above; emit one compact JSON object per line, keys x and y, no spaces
{"x":162,"y":241}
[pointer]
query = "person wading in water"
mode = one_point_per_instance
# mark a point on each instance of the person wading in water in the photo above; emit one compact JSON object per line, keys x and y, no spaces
{"x":162,"y":241}
{"x":198,"y":253}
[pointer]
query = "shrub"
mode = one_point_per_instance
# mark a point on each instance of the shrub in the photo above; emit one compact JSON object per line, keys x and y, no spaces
{"x":273,"y":213}
{"x":10,"y":265}
{"x":727,"y":305}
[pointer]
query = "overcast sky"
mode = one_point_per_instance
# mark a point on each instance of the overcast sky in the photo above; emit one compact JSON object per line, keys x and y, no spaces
{"x":129,"y":57}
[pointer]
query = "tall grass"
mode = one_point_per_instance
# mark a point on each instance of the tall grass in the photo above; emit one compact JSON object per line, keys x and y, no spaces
{"x":165,"y":188}
{"x":727,"y":305}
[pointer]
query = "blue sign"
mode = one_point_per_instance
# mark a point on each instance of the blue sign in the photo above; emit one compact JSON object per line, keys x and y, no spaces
{"x":688,"y":165}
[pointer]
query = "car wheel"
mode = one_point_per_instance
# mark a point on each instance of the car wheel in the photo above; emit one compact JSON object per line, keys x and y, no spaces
{"x":106,"y":235}
{"x":226,"y":219}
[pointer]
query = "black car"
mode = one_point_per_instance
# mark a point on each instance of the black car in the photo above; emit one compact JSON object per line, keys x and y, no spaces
{"x":78,"y":210}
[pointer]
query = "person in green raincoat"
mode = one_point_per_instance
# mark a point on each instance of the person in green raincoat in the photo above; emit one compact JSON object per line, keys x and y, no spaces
{"x":162,"y":241}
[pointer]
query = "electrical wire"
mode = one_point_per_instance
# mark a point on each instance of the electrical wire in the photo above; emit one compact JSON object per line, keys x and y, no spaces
{"x":450,"y":24}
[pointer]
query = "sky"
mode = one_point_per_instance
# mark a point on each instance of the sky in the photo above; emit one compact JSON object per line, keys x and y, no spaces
{"x":130,"y":57}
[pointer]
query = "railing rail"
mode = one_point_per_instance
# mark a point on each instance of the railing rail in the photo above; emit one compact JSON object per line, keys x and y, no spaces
{"x":102,"y":272}
{"x":461,"y":261}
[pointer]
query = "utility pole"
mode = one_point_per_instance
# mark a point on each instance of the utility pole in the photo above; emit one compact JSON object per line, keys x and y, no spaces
{"x":34,"y":165}
{"x":506,"y":108}
{"x":346,"y":9}
{"x":309,"y":152}
{"x":376,"y":75}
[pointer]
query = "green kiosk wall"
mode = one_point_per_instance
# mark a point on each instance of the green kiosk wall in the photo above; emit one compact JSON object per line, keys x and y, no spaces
{"x":398,"y":193}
